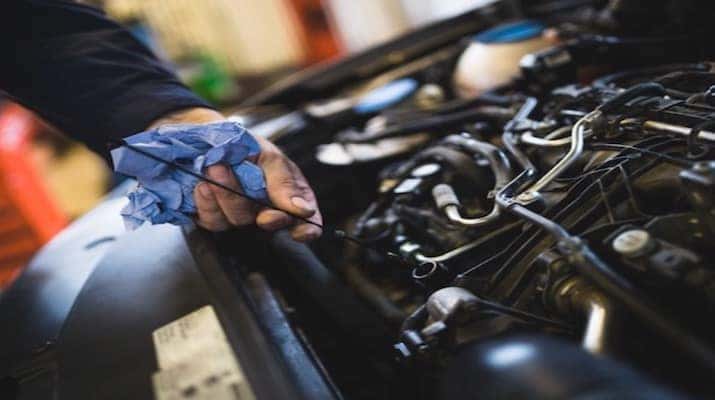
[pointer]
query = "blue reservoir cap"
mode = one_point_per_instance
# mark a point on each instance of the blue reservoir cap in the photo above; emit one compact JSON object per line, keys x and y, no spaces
{"x":509,"y":33}
{"x":385,"y":96}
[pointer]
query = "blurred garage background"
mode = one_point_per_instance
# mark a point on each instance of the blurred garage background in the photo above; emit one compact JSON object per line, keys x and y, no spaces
{"x":224,"y":50}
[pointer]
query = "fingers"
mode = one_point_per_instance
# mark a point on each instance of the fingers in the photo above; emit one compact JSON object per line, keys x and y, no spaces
{"x":304,"y":232}
{"x":219,"y":209}
{"x":273,"y":220}
{"x":238,"y":211}
{"x":289,"y":190}
{"x":209,"y":213}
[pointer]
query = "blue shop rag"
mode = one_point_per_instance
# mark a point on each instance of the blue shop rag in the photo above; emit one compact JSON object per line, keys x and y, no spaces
{"x":164,"y":193}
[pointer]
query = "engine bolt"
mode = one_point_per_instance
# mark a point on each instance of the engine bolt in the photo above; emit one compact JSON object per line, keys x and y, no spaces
{"x":526,"y":196}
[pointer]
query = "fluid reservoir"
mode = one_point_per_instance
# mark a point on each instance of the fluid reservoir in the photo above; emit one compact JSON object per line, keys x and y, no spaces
{"x":492,"y":57}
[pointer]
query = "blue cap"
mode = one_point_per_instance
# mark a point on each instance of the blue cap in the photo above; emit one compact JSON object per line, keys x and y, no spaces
{"x":509,"y":33}
{"x":385,"y":96}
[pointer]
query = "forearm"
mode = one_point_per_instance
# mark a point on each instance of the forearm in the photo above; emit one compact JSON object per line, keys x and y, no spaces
{"x":84,"y":73}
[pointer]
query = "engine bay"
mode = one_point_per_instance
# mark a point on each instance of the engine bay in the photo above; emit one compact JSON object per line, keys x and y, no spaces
{"x":518,"y":203}
{"x":572,"y":203}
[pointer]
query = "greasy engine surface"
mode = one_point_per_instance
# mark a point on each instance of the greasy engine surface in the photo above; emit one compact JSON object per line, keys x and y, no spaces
{"x":559,"y":206}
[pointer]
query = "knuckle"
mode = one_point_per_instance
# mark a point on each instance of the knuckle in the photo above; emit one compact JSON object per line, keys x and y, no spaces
{"x":286,"y":181}
{"x":222,"y":194}
{"x":227,"y":199}
{"x":207,"y":207}
{"x":239,"y":218}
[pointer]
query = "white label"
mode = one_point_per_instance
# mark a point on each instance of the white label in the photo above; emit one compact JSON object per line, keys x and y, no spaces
{"x":196,"y":362}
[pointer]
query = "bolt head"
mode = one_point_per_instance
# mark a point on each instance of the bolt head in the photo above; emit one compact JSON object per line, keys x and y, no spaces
{"x":526,"y":196}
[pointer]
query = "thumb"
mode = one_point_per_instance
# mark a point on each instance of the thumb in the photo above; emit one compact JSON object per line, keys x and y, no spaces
{"x":287,"y":187}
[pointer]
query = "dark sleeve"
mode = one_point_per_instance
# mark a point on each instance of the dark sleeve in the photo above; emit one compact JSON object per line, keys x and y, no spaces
{"x":84,"y":73}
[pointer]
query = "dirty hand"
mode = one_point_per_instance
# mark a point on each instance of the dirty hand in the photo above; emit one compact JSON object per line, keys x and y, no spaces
{"x":219,"y":209}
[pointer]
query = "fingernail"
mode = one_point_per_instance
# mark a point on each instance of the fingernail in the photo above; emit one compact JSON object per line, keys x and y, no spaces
{"x":205,"y":191}
{"x":302,"y":204}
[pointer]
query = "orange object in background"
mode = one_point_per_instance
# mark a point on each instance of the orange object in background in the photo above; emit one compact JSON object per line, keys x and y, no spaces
{"x":318,"y":38}
{"x":28,"y":216}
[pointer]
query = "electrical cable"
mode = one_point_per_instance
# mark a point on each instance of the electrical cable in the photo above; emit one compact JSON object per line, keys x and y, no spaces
{"x":523,"y":315}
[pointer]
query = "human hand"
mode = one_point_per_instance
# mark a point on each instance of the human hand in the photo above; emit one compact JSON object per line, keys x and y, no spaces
{"x":219,"y":209}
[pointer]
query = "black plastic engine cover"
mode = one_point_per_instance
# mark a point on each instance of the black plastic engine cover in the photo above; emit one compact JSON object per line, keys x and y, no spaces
{"x":78,"y":324}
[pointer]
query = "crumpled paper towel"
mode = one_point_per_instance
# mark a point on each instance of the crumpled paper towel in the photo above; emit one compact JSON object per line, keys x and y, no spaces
{"x":165,"y":194}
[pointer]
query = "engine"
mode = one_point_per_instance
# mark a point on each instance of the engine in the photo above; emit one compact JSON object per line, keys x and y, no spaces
{"x":585,"y":213}
{"x":577,"y":212}
{"x":538,"y":240}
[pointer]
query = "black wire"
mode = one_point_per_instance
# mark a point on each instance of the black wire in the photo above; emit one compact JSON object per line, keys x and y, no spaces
{"x":521,"y":314}
{"x":612,"y":146}
{"x":526,"y":239}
